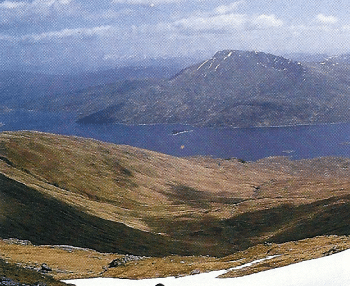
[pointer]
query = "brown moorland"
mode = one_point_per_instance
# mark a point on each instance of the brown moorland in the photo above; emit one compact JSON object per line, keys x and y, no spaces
{"x":68,"y":262}
{"x":97,"y":202}
{"x":112,"y":198}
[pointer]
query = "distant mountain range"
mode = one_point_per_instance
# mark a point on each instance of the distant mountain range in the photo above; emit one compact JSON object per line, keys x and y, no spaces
{"x":23,"y":89}
{"x":234,"y":88}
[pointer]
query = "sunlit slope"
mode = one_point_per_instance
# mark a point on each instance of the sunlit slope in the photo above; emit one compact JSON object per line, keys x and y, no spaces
{"x":73,"y":263}
{"x":69,"y":190}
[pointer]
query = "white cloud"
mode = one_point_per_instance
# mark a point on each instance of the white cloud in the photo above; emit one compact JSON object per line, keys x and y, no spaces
{"x":11,"y":5}
{"x":145,"y":2}
{"x":225,"y":9}
{"x":12,"y":12}
{"x":67,"y":33}
{"x":228,"y":22}
{"x":266,"y":21}
{"x":215,"y":23}
{"x":33,"y":5}
{"x":7,"y":38}
{"x":326,"y":19}
{"x":109,"y":14}
{"x":225,"y":18}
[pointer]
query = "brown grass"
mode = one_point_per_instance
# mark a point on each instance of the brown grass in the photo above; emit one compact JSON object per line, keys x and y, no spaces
{"x":71,"y":263}
{"x":66,"y":262}
{"x":173,"y":205}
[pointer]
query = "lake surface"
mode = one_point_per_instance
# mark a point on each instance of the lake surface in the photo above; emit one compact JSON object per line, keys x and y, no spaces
{"x":251,"y":144}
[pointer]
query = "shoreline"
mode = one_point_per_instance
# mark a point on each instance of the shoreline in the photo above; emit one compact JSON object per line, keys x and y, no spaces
{"x":215,"y":127}
{"x":75,"y":117}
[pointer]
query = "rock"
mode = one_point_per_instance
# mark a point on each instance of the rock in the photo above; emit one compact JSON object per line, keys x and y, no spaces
{"x":122,"y":261}
{"x":45,"y":268}
{"x":17,"y":241}
{"x":9,"y":282}
{"x":333,"y":250}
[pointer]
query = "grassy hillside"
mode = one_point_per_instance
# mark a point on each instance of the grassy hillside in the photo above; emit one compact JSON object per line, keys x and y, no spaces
{"x":29,"y":214}
{"x":68,"y":262}
{"x":11,"y":274}
{"x":69,"y":190}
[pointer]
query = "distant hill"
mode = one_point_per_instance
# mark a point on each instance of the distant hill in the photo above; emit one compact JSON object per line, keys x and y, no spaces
{"x":112,"y":198}
{"x":306,"y":57}
{"x":22,"y":89}
{"x":234,"y":88}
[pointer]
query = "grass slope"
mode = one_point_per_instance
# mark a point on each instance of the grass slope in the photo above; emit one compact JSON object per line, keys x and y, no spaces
{"x":24,"y":276}
{"x":73,"y":263}
{"x":69,"y":190}
{"x":29,"y":214}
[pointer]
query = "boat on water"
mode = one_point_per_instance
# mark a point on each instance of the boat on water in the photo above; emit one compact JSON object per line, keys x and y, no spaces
{"x":288,"y":151}
{"x":181,"y":131}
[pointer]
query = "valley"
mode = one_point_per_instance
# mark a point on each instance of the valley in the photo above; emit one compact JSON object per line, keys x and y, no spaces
{"x":174,"y":143}
{"x":73,"y":207}
{"x":115,"y":200}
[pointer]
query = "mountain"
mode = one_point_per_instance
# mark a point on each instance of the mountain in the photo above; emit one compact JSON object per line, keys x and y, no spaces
{"x":23,"y":89}
{"x":234,"y":88}
{"x":335,"y":67}
{"x":114,"y":198}
{"x":306,"y":57}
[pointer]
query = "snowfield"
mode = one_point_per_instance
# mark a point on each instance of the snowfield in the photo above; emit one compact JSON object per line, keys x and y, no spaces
{"x":331,"y":270}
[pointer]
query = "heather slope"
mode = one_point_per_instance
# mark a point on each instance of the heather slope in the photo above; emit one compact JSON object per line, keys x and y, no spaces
{"x":122,"y":199}
{"x":29,"y":214}
{"x":68,"y":262}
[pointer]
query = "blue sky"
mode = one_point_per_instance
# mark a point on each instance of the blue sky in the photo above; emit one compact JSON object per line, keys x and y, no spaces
{"x":105,"y":32}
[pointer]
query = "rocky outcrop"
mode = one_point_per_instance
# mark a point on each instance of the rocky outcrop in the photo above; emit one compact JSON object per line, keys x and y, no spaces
{"x":122,"y":261}
{"x":9,"y":282}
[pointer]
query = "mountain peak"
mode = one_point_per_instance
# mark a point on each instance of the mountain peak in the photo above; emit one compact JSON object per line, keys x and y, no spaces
{"x":236,"y":63}
{"x":254,"y":59}
{"x":237,"y":88}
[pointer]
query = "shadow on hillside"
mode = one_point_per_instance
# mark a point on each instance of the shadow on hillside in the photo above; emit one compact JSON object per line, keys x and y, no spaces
{"x":29,"y":214}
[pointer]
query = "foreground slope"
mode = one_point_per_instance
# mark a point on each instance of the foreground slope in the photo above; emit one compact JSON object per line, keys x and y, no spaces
{"x":68,"y":190}
{"x":235,"y":88}
{"x":331,"y":270}
{"x":67,"y":262}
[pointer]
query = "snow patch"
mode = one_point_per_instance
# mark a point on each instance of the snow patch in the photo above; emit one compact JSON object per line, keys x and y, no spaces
{"x":202,"y":64}
{"x":229,"y":55}
{"x":330,"y":270}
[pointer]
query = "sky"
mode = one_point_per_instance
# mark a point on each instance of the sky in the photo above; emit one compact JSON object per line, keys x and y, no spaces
{"x":90,"y":34}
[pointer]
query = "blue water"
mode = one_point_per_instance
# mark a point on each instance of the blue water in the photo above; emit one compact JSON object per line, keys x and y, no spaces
{"x":296,"y":142}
